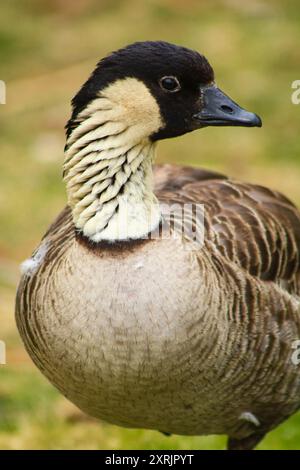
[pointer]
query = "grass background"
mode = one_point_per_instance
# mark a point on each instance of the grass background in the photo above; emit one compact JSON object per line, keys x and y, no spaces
{"x":47,"y":49}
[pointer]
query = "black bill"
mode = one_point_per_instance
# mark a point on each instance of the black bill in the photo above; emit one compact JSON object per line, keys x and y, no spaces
{"x":220,"y":110}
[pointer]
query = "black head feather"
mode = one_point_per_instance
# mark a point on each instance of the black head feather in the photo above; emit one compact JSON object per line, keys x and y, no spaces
{"x":149,"y":62}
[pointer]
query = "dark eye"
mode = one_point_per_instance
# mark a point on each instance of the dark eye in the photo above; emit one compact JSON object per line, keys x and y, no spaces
{"x":170,"y":84}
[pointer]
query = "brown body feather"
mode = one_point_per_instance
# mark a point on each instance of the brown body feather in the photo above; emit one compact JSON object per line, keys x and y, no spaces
{"x":234,"y":358}
{"x":257,"y":228}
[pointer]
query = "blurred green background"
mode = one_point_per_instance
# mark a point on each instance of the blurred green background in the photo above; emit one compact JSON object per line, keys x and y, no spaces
{"x":47,"y":49}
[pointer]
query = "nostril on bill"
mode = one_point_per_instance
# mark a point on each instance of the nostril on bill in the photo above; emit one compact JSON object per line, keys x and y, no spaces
{"x":226,"y":109}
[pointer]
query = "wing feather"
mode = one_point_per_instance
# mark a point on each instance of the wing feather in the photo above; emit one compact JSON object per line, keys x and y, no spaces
{"x":256,"y":228}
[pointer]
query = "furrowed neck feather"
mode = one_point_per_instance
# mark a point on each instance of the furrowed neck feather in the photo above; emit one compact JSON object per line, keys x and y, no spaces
{"x":108,"y":168}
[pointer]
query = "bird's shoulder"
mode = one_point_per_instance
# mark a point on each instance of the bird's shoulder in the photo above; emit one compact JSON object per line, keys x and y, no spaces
{"x":253,"y":226}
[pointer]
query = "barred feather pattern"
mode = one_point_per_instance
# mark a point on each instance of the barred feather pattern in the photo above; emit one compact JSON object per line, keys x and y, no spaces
{"x":213,"y":329}
{"x":108,"y":165}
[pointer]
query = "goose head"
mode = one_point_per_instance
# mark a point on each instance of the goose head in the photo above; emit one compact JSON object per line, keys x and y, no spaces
{"x":168,"y":89}
{"x":136,"y":96}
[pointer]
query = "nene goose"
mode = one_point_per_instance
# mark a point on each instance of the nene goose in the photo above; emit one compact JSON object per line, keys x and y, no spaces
{"x":161,"y":332}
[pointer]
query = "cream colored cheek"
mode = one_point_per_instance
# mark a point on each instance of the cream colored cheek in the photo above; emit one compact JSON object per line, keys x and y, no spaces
{"x":137,"y":107}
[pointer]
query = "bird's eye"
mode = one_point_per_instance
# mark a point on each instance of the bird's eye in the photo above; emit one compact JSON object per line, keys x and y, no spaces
{"x":170,"y":84}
